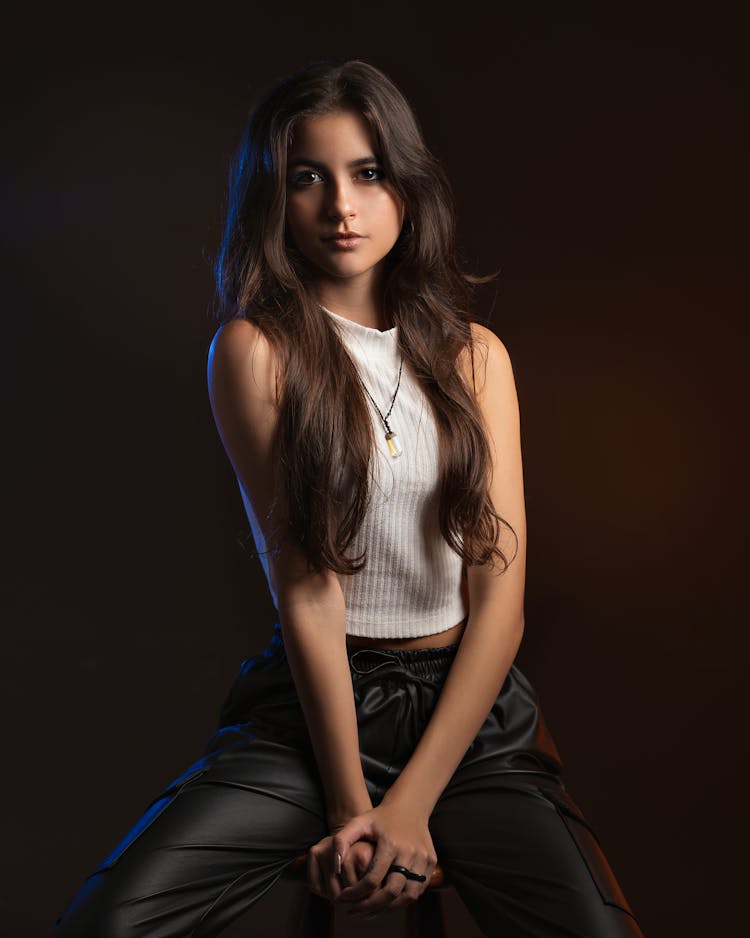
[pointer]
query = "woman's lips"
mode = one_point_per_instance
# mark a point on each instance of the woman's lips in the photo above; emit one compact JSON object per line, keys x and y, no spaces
{"x":345,"y":244}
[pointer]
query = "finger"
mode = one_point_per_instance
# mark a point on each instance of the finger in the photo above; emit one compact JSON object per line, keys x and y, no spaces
{"x":320,"y":877}
{"x":333,"y":880}
{"x":411,"y":892}
{"x":381,"y":899}
{"x":333,"y":888}
{"x":396,"y":890}
{"x":377,"y":870}
{"x":356,"y":829}
{"x":314,"y":879}
{"x":413,"y":889}
{"x":349,"y":871}
{"x":362,"y":862}
{"x":356,"y":863}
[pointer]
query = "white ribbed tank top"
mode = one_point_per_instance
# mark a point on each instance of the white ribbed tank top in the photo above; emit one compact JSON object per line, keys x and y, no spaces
{"x":411,"y":582}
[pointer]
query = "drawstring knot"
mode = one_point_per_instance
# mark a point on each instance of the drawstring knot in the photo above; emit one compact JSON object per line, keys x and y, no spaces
{"x":387,"y":658}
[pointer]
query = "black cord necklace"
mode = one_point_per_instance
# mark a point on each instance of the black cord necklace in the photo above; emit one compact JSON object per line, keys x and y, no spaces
{"x":394,"y":446}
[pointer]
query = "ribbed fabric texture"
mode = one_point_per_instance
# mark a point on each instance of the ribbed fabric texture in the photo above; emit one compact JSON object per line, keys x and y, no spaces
{"x":411,"y":583}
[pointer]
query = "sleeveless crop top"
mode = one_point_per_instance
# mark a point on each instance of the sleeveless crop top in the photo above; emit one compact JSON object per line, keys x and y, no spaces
{"x":410,"y":585}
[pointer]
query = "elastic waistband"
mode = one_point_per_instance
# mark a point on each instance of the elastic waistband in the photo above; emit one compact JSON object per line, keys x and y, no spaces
{"x":432,"y":664}
{"x":429,"y":663}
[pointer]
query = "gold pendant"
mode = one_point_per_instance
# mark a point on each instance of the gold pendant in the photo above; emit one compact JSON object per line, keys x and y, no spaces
{"x":393,"y":444}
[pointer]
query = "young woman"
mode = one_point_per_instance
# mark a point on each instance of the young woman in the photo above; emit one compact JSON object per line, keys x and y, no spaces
{"x":373,"y":427}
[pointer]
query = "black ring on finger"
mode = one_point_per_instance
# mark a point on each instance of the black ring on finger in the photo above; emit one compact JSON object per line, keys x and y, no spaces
{"x":409,"y":874}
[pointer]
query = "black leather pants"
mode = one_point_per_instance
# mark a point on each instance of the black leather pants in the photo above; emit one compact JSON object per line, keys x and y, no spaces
{"x":519,"y":851}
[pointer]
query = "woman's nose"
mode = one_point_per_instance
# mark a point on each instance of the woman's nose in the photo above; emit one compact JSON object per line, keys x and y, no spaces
{"x":340,"y":201}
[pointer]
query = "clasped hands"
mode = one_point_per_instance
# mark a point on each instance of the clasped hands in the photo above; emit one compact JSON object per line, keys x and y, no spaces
{"x":368,"y":844}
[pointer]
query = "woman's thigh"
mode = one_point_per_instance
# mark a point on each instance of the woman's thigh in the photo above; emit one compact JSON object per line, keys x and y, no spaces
{"x":212,"y":843}
{"x":525,"y":861}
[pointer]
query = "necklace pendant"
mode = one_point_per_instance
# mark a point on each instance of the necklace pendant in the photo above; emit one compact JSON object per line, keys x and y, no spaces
{"x":394,"y":446}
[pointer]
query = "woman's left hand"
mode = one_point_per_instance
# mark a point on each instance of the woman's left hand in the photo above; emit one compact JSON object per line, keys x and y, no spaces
{"x":401,"y":836}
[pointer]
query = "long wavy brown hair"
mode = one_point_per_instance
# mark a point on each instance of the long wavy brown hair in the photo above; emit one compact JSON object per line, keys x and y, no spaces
{"x":324,"y":437}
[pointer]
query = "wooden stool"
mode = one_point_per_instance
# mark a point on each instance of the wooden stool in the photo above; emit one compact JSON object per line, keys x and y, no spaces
{"x":425,"y":918}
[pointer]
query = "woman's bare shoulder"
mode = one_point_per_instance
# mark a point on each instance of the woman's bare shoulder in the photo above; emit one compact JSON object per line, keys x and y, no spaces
{"x":491,"y":360}
{"x":241,"y":355}
{"x":236,"y":339}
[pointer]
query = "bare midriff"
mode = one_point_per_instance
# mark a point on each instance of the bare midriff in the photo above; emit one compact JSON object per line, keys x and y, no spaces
{"x":449,"y":637}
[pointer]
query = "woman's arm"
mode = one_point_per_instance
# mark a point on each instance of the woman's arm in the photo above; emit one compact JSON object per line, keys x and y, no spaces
{"x":496,"y":618}
{"x":488,"y":646}
{"x":312,"y":615}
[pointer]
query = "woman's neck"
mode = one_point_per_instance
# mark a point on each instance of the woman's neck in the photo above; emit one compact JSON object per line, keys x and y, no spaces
{"x":359,"y":305}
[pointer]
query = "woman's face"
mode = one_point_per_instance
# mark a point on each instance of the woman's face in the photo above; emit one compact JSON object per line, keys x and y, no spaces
{"x":335,"y":184}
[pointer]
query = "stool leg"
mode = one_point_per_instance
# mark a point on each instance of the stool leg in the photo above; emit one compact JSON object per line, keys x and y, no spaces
{"x":309,"y":916}
{"x":319,"y":920}
{"x":425,"y":918}
{"x":298,"y":909}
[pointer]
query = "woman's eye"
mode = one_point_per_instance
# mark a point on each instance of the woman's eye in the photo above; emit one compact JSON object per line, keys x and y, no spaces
{"x":303,"y":178}
{"x":307,"y":176}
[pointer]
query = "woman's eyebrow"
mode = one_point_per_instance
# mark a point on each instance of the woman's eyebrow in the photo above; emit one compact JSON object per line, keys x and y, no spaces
{"x":304,"y":161}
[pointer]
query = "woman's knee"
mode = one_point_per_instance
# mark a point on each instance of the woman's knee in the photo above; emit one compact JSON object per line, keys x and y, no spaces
{"x":502,"y":846}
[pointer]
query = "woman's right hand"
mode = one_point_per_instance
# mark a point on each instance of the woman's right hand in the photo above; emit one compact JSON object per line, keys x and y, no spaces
{"x":357,"y":863}
{"x":353,"y":868}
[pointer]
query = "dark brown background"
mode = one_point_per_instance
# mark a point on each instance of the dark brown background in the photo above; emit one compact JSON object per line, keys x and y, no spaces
{"x":597,"y":160}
